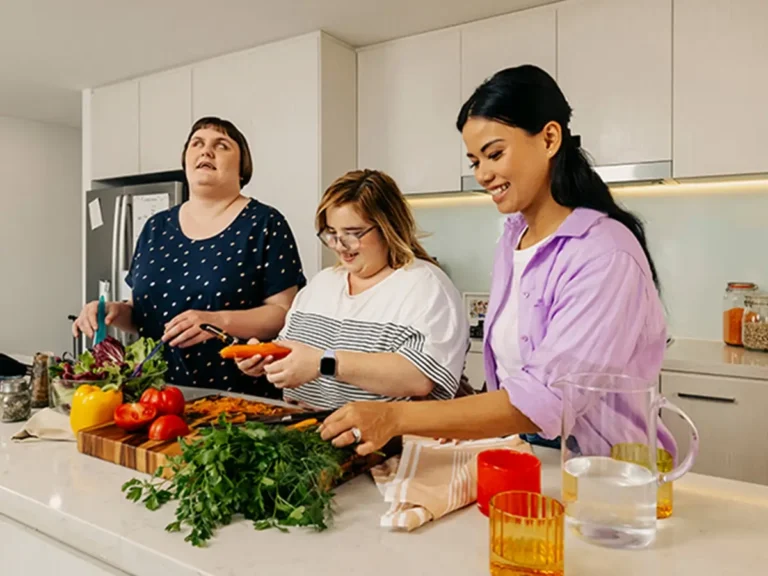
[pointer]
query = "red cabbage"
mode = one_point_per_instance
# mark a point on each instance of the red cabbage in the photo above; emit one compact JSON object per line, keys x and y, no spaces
{"x":109,"y":351}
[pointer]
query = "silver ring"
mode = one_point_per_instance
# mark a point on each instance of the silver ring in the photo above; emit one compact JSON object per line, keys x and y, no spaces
{"x":357,"y":434}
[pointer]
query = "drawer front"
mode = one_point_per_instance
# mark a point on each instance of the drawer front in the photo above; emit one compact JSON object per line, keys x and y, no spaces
{"x":730,"y":414}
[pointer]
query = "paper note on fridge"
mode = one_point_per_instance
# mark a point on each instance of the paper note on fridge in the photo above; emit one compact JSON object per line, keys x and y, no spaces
{"x":144,"y":207}
{"x":94,"y":211}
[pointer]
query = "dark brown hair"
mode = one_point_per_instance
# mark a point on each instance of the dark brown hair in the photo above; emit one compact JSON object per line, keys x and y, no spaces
{"x":528,"y":98}
{"x":225,"y":127}
{"x":378,"y":199}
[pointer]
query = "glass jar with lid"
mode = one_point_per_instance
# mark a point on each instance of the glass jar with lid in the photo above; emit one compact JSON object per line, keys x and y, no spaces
{"x":733,"y":310}
{"x":755,"y":322}
{"x":15,"y":399}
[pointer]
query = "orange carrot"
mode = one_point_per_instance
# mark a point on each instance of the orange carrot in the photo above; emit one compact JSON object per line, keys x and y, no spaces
{"x":263,"y":349}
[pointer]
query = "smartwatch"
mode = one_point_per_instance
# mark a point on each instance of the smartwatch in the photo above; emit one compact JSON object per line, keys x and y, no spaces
{"x":328,"y":363}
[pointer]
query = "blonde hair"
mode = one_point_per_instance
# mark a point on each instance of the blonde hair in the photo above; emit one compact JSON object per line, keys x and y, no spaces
{"x":378,"y":199}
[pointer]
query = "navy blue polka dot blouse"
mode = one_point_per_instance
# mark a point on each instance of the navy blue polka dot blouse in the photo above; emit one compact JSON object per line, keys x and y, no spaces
{"x":254,"y":258}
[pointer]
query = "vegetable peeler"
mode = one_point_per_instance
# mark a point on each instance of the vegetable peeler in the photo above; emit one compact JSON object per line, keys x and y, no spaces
{"x":228,"y":339}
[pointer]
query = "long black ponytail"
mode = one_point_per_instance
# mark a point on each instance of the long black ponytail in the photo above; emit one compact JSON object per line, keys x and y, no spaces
{"x":527,"y":97}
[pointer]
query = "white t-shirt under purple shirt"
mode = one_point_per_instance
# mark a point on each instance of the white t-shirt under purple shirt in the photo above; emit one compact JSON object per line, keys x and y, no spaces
{"x":505,"y":341}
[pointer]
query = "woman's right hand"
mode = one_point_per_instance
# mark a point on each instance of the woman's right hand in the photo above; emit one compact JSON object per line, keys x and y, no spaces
{"x":88,"y":322}
{"x":254,"y":366}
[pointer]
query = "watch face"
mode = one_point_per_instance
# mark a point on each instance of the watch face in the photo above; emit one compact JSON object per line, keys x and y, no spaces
{"x":328,"y":366}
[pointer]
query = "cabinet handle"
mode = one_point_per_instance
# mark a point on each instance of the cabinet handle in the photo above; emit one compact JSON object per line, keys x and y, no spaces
{"x":707,"y":398}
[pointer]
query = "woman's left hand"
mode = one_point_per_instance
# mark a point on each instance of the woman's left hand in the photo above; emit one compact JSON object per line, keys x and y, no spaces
{"x":302,"y":365}
{"x":184,"y":330}
{"x":377,"y":423}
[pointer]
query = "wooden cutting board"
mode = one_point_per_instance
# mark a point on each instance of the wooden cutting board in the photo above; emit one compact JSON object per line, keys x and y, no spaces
{"x":132,"y":450}
{"x":136,"y":451}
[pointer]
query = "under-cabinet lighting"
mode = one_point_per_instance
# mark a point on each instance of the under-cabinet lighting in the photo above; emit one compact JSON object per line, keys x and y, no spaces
{"x":704,"y":186}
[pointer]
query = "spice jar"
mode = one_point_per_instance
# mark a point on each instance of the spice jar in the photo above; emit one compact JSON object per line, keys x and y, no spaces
{"x":733,"y":310}
{"x":755,"y":322}
{"x":15,"y":399}
{"x":39,"y":380}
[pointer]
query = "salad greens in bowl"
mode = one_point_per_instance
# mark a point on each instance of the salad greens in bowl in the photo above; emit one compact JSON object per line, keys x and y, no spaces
{"x":108,"y":362}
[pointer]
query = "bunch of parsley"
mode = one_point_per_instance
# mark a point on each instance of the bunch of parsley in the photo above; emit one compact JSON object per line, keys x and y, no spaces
{"x":274,"y":476}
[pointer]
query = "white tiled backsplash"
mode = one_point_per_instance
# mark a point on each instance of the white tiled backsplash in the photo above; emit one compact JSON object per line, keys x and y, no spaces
{"x":699,"y":241}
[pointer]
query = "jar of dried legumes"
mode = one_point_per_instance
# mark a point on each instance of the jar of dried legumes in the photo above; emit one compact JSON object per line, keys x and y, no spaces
{"x":755,"y":323}
{"x":733,"y":310}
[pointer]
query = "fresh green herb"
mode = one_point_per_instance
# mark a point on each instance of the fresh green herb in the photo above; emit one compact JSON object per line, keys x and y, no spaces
{"x":273,"y":476}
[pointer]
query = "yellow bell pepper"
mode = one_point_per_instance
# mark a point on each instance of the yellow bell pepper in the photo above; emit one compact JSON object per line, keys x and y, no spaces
{"x":92,"y":406}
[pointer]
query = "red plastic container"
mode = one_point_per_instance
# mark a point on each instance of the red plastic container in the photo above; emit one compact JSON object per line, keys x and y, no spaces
{"x":505,"y":470}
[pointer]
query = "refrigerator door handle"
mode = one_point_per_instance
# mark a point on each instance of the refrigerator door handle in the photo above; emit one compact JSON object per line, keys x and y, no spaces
{"x":115,"y":248}
{"x":121,"y":248}
{"x":121,"y":245}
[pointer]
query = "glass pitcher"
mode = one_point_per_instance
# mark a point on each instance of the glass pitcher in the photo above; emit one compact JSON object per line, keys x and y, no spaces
{"x":610,"y":501}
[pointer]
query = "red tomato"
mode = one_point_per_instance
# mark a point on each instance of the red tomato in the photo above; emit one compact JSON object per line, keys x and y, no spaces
{"x":169,"y":400}
{"x":168,"y":427}
{"x":134,"y":416}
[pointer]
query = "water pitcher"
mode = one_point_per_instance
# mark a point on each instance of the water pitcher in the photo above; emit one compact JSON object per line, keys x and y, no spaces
{"x":611,"y":501}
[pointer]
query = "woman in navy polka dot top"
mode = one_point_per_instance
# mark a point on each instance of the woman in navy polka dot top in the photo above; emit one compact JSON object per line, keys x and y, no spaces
{"x":220,"y":258}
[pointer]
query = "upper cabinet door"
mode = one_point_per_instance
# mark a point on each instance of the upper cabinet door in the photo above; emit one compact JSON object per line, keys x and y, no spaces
{"x":165,"y":117}
{"x":115,"y":130}
{"x":488,"y":46}
{"x":409,"y":95}
{"x":615,"y":68}
{"x":721,"y":87}
{"x":271,"y":93}
{"x":222,"y":86}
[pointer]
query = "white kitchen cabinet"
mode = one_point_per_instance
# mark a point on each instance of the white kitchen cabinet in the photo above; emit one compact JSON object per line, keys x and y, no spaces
{"x":115,"y":130}
{"x":487,"y":46}
{"x":274,"y":95}
{"x":730,"y":416}
{"x":165,"y":117}
{"x":409,"y":95}
{"x":615,"y":68}
{"x":720,"y":87}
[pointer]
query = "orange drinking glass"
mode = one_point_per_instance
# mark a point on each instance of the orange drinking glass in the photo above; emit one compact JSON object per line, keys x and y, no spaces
{"x":527,"y":535}
{"x":504,"y":470}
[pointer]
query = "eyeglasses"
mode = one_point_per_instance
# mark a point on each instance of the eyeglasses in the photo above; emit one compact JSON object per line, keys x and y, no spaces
{"x":348,"y":240}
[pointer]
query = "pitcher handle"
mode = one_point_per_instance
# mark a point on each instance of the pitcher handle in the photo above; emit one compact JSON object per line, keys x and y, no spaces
{"x":693,"y":448}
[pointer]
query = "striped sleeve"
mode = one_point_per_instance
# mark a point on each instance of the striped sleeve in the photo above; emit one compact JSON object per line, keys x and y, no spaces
{"x":438,"y":342}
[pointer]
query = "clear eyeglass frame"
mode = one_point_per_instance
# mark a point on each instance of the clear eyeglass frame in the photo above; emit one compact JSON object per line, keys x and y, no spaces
{"x":348,"y":240}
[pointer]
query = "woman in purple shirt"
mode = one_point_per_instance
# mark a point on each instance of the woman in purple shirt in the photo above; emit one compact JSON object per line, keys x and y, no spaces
{"x":574,"y":288}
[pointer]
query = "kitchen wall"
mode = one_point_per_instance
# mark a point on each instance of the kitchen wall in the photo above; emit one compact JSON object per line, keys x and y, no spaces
{"x":40,"y":222}
{"x":701,"y":236}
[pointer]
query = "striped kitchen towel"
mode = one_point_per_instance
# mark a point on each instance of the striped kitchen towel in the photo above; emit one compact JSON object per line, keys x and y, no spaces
{"x":432,"y":478}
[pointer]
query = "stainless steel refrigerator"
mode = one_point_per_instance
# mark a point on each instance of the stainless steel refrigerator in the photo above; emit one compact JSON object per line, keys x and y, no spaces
{"x":114,"y":220}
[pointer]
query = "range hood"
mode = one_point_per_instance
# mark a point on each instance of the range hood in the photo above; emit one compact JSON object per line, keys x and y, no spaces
{"x":641,"y":173}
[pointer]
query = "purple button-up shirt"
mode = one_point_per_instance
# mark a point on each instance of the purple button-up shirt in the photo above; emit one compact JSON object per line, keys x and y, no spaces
{"x":587,"y":303}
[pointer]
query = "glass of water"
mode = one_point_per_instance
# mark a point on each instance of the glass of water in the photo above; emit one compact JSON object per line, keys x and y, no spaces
{"x":611,"y":500}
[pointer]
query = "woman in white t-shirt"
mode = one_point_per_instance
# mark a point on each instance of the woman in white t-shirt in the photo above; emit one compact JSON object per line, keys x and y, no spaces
{"x":385,"y":323}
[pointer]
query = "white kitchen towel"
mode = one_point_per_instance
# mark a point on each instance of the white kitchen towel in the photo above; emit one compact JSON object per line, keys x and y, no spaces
{"x":46,"y":424}
{"x":432,"y":478}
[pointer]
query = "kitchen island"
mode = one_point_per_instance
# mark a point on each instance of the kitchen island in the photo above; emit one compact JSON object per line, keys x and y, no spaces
{"x":62,"y":512}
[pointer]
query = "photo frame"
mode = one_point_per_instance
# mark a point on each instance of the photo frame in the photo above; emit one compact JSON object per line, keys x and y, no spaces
{"x":476,"y":308}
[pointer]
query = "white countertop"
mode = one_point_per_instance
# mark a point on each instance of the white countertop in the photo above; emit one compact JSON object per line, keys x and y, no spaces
{"x":718,"y":527}
{"x":715,"y":358}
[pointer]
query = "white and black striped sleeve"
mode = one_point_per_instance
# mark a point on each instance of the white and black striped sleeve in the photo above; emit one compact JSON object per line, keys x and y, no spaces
{"x":438,"y":342}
